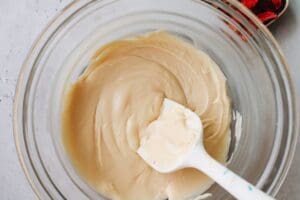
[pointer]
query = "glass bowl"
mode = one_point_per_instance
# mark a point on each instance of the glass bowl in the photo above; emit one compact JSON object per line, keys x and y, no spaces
{"x":260,"y":87}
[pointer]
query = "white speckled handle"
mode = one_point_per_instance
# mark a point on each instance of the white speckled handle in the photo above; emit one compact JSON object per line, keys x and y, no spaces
{"x":230,"y":181}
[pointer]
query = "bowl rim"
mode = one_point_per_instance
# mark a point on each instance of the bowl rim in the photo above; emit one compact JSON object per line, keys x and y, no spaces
{"x":76,"y":5}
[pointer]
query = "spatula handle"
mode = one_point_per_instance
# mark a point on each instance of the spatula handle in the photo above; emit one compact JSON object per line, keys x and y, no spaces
{"x":230,"y":181}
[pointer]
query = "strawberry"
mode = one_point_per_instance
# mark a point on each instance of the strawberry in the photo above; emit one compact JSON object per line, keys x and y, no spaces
{"x":277,"y":4}
{"x":249,"y":3}
{"x":266,"y":16}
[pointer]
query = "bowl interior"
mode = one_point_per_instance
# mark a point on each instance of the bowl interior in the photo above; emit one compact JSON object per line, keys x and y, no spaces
{"x":257,"y":83}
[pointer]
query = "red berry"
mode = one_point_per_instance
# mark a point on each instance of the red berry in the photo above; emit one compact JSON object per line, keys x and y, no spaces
{"x":277,"y":4}
{"x":266,"y":16}
{"x":249,"y":3}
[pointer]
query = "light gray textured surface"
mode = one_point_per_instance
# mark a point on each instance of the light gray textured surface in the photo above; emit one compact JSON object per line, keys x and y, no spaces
{"x":20,"y":23}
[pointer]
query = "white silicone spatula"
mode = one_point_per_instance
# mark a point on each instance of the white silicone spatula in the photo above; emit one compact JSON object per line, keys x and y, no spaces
{"x":196,"y":156}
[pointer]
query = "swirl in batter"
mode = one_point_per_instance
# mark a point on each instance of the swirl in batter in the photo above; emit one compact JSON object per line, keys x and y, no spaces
{"x":120,"y":93}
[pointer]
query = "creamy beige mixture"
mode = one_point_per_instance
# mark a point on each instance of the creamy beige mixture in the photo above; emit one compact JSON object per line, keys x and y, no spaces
{"x":121,"y":93}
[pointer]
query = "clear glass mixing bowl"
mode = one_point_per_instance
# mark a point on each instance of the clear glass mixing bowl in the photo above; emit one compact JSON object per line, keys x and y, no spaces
{"x":258,"y":80}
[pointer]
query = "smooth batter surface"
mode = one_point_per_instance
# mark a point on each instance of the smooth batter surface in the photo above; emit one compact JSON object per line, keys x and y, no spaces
{"x":121,"y":93}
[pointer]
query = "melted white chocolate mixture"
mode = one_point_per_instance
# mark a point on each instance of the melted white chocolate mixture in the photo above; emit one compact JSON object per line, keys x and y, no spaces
{"x":121,"y":93}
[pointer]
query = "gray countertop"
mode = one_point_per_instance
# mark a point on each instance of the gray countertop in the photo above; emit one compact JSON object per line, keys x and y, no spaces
{"x":20,"y":23}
